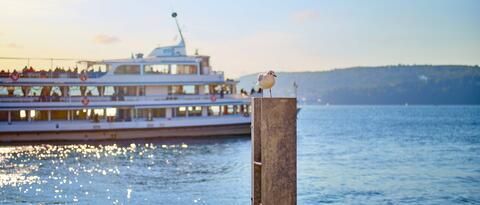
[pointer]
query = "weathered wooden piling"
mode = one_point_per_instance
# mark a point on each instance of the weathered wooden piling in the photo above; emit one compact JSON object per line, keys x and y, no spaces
{"x":274,"y":151}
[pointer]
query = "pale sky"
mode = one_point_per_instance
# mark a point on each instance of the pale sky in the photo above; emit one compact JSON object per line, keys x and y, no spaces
{"x":249,"y":36}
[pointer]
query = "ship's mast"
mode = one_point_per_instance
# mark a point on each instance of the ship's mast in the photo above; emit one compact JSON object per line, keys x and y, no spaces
{"x":182,"y":40}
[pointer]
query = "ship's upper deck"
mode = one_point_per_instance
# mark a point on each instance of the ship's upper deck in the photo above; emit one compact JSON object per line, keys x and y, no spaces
{"x":155,"y":70}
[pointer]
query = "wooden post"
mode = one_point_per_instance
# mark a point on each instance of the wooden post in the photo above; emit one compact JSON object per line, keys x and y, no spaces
{"x":274,"y":151}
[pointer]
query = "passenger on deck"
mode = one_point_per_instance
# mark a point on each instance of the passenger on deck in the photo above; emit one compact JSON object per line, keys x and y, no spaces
{"x":4,"y":74}
{"x":55,"y":97}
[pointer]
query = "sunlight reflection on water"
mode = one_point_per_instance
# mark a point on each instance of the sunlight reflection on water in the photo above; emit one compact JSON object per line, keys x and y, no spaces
{"x":77,"y":171}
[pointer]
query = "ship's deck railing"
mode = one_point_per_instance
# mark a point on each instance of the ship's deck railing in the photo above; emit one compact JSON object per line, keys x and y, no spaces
{"x":73,"y":74}
{"x":135,"y":119}
{"x":53,"y":74}
{"x":119,"y":98}
{"x":141,"y":122}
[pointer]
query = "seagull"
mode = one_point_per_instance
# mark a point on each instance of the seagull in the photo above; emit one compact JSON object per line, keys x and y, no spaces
{"x":266,"y":80}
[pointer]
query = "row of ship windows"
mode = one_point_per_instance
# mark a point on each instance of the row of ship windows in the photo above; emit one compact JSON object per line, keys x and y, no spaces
{"x":162,"y":69}
{"x":120,"y":114}
{"x":113,"y":90}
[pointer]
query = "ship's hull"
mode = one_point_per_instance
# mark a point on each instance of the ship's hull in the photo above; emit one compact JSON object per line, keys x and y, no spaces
{"x":124,"y":134}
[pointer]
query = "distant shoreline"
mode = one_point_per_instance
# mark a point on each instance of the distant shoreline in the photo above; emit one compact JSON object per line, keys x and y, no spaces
{"x":381,"y":85}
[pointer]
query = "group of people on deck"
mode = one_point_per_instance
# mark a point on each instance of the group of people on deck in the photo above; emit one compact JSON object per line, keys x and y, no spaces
{"x":30,"y":72}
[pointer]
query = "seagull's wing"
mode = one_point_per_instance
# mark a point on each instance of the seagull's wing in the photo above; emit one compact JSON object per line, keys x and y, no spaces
{"x":260,"y":77}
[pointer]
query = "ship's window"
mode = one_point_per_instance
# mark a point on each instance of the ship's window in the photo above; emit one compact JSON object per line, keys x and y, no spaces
{"x":213,"y":88}
{"x":131,"y":90}
{"x":176,"y":89}
{"x":58,"y":114}
{"x":17,"y":115}
{"x":98,"y":68}
{"x":32,"y":114}
{"x":156,"y":69}
{"x":111,"y":111}
{"x":214,"y":110}
{"x":232,"y":109}
{"x":75,"y":91}
{"x":3,"y":90}
{"x":206,"y":89}
{"x":18,"y":91}
{"x":91,"y":91}
{"x":142,"y":113}
{"x":99,"y":112}
{"x":23,"y":114}
{"x":109,"y":90}
{"x":55,"y":91}
{"x":181,"y":112}
{"x":127,"y":69}
{"x":35,"y":91}
{"x":189,"y":89}
{"x":158,"y":112}
{"x":183,"y":69}
{"x":82,"y":114}
{"x":79,"y":114}
{"x":195,"y":111}
{"x":4,"y":116}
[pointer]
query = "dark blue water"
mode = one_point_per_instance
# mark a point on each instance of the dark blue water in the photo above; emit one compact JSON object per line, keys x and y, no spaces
{"x":346,"y":155}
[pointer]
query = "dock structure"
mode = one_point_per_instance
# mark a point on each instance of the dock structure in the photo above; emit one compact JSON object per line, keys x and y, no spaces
{"x":274,"y":151}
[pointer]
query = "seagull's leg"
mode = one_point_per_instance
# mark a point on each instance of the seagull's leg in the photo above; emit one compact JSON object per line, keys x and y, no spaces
{"x":270,"y":92}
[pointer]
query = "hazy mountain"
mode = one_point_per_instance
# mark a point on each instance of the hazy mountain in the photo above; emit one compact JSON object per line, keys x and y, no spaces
{"x":412,"y":84}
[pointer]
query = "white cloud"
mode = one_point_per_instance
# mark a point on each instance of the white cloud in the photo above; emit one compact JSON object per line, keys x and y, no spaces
{"x":304,"y":16}
{"x":105,"y":39}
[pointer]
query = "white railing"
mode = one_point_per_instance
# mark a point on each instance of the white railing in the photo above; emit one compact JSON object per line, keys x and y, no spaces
{"x":119,"y":98}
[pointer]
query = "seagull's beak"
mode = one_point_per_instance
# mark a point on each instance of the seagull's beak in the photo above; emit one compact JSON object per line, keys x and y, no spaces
{"x":274,"y":75}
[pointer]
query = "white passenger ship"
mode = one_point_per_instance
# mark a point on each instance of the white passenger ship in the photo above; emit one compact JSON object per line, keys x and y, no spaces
{"x":166,"y":94}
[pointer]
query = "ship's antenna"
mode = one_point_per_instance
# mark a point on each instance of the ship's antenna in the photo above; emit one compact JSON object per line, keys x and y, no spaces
{"x":182,"y":41}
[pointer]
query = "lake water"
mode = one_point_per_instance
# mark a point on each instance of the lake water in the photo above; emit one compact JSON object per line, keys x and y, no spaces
{"x":346,"y":155}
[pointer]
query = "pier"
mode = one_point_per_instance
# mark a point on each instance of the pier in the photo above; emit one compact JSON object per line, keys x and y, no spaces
{"x":274,"y":151}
